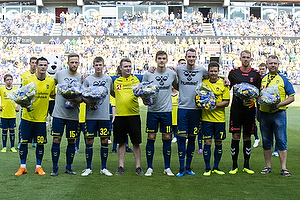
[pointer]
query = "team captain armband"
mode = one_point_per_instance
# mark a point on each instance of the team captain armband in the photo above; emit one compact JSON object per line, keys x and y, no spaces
{"x":24,"y":96}
{"x":94,"y":95}
{"x":205,"y":98}
{"x":269,"y":96}
{"x":146,"y":90}
{"x":70,"y":90}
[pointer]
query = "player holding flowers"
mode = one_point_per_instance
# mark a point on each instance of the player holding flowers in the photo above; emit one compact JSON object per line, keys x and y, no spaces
{"x":160,"y":113}
{"x":213,"y":121}
{"x":241,"y":115}
{"x":33,"y":123}
{"x":97,"y":120}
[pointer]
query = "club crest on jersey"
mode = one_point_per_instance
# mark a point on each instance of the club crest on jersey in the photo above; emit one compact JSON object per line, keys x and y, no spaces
{"x":251,"y":79}
{"x":161,"y":79}
{"x":189,"y":75}
{"x":119,"y":87}
{"x":99,"y":83}
{"x":47,"y":86}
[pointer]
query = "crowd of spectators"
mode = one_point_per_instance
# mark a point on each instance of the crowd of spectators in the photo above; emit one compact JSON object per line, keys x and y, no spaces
{"x":284,"y":25}
{"x":148,"y":24}
{"x":14,"y":55}
{"x":141,"y":24}
{"x":28,"y":24}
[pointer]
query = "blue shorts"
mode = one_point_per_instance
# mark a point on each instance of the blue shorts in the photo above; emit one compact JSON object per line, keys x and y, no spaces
{"x":213,"y":130}
{"x":110,"y":123}
{"x":82,"y":127}
{"x":33,"y":131}
{"x":72,"y":128}
{"x":175,"y":130}
{"x":97,"y":128}
{"x":273,"y":123}
{"x":7,"y":123}
{"x":163,"y":119}
{"x":188,"y":121}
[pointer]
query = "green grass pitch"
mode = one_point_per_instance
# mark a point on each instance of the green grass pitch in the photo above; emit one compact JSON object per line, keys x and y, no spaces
{"x":159,"y":186}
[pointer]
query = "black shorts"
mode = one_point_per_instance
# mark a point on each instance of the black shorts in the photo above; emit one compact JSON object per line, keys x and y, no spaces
{"x":242,"y":118}
{"x":130,"y":125}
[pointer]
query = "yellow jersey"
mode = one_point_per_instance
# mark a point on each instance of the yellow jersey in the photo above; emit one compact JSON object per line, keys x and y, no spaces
{"x":82,"y":111}
{"x":284,"y":86}
{"x":25,"y":75}
{"x":44,"y":88}
{"x":175,"y":108}
{"x":8,"y":107}
{"x":221,"y":93}
{"x":126,"y":102}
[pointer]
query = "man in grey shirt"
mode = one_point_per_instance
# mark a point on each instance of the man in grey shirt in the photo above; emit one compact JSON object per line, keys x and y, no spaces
{"x":188,"y":119}
{"x":65,"y":117}
{"x":97,"y":120}
{"x":160,"y":113}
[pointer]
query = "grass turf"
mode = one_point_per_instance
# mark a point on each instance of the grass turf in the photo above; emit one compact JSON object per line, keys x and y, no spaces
{"x":131,"y":186}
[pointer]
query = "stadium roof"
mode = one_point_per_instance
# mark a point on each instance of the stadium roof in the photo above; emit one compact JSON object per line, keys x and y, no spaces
{"x":33,"y":2}
{"x":75,"y":2}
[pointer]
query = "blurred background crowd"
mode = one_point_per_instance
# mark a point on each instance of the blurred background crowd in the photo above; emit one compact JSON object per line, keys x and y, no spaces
{"x":110,"y":39}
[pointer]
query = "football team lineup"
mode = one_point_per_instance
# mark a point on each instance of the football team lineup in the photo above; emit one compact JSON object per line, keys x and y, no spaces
{"x":103,"y":115}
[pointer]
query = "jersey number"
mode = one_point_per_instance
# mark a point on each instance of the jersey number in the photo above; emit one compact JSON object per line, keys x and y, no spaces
{"x":40,"y":139}
{"x":221,"y":133}
{"x":168,"y":129}
{"x":195,"y":130}
{"x":103,"y":131}
{"x":72,"y":134}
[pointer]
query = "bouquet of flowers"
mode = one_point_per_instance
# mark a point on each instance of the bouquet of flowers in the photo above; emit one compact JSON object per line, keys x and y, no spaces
{"x":205,"y":98}
{"x":269,"y":96}
{"x":95,"y":95}
{"x":146,"y":90}
{"x":246,"y":92}
{"x":24,"y":96}
{"x":70,"y":90}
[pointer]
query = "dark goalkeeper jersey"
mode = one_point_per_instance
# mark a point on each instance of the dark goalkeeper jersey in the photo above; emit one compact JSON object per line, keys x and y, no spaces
{"x":237,"y":76}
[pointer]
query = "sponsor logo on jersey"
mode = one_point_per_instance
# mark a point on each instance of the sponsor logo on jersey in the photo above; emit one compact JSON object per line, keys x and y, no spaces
{"x":119,"y":87}
{"x":190,"y":74}
{"x":166,"y":87}
{"x":162,"y":79}
{"x":89,"y":134}
{"x":70,"y":80}
{"x":188,"y":83}
{"x":99,"y":83}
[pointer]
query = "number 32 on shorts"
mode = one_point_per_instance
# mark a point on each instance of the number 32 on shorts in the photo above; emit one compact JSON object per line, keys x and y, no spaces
{"x":103,"y":132}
